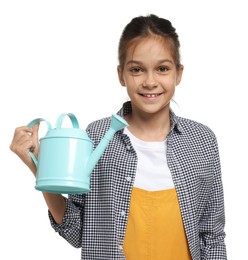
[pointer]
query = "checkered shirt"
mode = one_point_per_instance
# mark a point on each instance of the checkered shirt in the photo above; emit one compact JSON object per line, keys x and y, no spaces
{"x":96,"y":221}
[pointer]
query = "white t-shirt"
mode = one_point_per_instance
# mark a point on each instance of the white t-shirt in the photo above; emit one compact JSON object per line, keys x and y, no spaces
{"x":153,"y":172}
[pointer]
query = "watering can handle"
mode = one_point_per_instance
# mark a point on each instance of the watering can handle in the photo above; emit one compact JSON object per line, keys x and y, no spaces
{"x":38,"y":120}
{"x":72,"y":117}
{"x":31,"y":124}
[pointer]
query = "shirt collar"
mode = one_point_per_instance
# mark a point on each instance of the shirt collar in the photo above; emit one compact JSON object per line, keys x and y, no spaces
{"x":175,"y":124}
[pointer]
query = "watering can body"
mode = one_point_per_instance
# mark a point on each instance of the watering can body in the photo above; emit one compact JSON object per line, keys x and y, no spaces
{"x":66,"y":156}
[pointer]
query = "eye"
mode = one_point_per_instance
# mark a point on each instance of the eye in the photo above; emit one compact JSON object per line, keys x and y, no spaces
{"x":163,"y":69}
{"x":135,"y":70}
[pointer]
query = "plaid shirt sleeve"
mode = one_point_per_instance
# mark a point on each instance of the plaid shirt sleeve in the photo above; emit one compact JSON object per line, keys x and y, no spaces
{"x":71,"y":226}
{"x":211,"y":225}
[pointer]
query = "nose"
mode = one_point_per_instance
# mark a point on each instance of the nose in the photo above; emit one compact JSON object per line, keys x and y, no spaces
{"x":150,"y":81}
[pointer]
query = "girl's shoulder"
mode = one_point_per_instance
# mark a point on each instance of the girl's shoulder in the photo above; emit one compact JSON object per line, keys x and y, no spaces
{"x":100,"y":123}
{"x":97,"y":129}
{"x":194,"y":128}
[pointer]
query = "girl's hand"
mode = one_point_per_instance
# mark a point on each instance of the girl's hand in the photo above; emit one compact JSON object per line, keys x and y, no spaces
{"x":25,"y":140}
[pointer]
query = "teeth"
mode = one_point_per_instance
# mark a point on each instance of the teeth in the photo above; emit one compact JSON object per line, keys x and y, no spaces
{"x":150,"y":95}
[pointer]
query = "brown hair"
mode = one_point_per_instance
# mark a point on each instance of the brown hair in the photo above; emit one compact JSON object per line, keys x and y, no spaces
{"x":145,"y":26}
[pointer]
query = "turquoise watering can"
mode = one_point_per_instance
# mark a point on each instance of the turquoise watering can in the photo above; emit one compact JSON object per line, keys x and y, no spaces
{"x":66,"y":156}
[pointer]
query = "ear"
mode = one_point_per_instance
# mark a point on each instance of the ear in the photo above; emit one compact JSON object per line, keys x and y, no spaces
{"x":179,"y":74}
{"x":120,"y":75}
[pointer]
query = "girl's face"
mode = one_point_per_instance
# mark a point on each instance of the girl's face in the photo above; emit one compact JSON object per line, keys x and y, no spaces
{"x":150,"y":75}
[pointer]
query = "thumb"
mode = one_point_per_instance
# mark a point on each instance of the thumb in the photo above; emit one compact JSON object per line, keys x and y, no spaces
{"x":35,"y":136}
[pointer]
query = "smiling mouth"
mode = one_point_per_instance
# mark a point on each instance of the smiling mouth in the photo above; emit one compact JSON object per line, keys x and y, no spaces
{"x":151,"y":95}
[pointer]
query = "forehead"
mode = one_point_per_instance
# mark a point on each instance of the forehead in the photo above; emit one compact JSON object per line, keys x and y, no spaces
{"x":153,"y":46}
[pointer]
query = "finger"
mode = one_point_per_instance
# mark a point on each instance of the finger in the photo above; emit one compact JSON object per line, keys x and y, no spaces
{"x":22,"y":143}
{"x":21,"y":135}
{"x":35,"y":130}
{"x":35,"y":138}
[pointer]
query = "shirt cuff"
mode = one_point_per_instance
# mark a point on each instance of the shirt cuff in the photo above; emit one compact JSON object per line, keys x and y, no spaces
{"x":67,"y":218}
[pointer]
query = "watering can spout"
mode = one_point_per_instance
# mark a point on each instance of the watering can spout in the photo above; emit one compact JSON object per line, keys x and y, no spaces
{"x":117,"y":123}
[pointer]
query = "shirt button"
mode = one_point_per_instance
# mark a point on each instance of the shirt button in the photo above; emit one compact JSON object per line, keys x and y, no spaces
{"x":128,"y":147}
{"x":123,"y":213}
{"x":120,"y":247}
{"x":128,"y":178}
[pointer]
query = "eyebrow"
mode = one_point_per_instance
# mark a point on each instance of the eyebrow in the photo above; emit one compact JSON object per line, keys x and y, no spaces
{"x":139,"y":62}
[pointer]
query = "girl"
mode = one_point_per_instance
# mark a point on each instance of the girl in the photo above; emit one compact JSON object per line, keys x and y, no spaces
{"x":156,"y":193}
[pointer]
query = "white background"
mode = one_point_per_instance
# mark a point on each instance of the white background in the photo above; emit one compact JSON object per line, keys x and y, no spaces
{"x":61,"y":56}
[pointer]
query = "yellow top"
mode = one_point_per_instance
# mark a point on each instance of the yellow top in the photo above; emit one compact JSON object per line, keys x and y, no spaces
{"x":155,"y":228}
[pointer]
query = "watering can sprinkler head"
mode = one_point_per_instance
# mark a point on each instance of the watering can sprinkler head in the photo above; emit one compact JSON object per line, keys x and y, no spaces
{"x":117,"y":122}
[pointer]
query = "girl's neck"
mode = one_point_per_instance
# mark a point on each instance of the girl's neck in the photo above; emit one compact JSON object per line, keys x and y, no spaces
{"x":149,"y":127}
